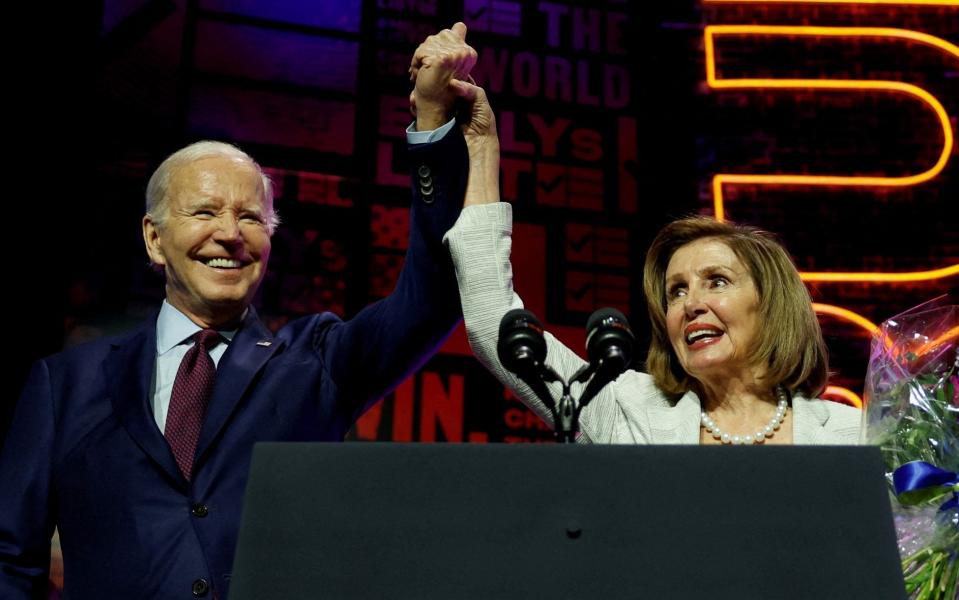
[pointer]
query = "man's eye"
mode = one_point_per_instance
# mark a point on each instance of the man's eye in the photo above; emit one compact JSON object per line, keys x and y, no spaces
{"x":203,"y":212}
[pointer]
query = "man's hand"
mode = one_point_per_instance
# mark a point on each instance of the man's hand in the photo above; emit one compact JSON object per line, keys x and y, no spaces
{"x":438,"y":64}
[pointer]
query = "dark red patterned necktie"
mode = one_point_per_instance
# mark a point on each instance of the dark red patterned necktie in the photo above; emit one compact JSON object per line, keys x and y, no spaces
{"x":191,"y":392}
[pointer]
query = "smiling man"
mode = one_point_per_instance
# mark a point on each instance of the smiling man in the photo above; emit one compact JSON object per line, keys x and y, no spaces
{"x":208,"y":222}
{"x":137,"y":447}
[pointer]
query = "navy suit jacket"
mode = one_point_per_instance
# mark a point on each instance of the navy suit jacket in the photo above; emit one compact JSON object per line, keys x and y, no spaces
{"x":84,"y":453}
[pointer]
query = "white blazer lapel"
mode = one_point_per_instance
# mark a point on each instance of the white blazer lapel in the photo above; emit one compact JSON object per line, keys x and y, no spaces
{"x":678,"y":424}
{"x":809,"y":421}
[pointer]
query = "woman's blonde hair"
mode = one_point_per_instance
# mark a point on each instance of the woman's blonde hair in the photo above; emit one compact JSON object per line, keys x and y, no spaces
{"x":790,"y":344}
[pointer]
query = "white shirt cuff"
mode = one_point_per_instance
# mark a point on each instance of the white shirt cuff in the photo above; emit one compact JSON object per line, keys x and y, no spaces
{"x":425,"y":137}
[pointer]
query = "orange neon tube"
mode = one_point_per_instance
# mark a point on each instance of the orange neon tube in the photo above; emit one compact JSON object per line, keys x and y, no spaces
{"x":829,"y":276}
{"x":948,"y":335}
{"x":847,"y":395}
{"x":846,"y":315}
{"x":931,"y":101}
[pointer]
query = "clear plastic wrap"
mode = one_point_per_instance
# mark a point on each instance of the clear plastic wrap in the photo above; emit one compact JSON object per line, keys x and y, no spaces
{"x":912,"y":413}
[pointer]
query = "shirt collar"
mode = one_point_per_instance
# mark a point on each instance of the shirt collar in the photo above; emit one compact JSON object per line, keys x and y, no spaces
{"x":174,"y":327}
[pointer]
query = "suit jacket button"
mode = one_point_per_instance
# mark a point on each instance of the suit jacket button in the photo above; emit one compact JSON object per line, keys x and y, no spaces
{"x":200,"y":588}
{"x":423,"y":171}
{"x":199,"y":510}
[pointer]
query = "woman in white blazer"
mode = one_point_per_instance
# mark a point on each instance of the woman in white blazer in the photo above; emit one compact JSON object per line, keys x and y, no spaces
{"x":736,"y":356}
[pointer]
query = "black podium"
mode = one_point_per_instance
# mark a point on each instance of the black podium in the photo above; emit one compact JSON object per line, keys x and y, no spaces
{"x":547,"y":521}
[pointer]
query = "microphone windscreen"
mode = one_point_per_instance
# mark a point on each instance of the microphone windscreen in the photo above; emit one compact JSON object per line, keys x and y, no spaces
{"x":608,"y":331}
{"x":519,"y":317}
{"x":521,"y":343}
{"x":603,"y":314}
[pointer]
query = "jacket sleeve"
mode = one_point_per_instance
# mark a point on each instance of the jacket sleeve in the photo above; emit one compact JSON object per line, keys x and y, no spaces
{"x":371,"y":353}
{"x":26,"y":505}
{"x":480,"y":243}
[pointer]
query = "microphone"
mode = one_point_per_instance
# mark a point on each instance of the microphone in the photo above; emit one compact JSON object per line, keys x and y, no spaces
{"x":521,"y":347}
{"x":609,"y":346}
{"x":609,"y":340}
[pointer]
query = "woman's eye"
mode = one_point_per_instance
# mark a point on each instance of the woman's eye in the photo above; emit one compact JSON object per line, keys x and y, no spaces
{"x":675,"y":292}
{"x":719,"y":281}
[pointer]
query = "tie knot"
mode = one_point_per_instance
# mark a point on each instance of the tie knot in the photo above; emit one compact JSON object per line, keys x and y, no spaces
{"x":207,"y":339}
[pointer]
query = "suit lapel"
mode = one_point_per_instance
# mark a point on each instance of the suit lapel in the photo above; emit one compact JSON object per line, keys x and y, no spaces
{"x":251,"y":348}
{"x":677,"y":424}
{"x":128,"y":371}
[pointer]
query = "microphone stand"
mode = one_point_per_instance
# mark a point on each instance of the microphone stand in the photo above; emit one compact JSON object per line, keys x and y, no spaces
{"x":566,"y":411}
{"x":522,"y":350}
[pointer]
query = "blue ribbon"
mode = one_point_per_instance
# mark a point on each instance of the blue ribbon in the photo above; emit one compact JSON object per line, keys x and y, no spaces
{"x":919,"y":476}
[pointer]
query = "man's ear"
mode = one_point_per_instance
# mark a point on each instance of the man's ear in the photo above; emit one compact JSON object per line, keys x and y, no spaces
{"x":151,"y":239}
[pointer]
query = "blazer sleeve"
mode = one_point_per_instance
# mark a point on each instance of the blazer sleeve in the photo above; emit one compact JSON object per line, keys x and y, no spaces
{"x":26,"y":506}
{"x":371,"y":353}
{"x":480,"y":245}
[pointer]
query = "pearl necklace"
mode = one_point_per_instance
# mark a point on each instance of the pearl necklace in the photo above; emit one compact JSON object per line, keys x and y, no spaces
{"x":754,"y":438}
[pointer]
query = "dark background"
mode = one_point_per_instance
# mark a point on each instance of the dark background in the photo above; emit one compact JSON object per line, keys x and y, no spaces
{"x":608,"y":130}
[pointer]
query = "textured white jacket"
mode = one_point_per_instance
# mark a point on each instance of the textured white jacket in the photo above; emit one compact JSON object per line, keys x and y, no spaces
{"x":631,"y":409}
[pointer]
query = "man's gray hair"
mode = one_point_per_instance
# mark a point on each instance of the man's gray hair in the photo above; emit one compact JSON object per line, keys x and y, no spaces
{"x":159,"y":184}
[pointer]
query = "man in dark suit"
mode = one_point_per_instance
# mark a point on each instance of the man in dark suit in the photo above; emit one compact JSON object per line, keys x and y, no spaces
{"x":137,"y":447}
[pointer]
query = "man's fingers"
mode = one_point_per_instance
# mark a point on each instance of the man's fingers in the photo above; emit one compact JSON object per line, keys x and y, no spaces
{"x":467,"y":61}
{"x":423,"y":50}
{"x":465,"y":90}
{"x":443,"y":56}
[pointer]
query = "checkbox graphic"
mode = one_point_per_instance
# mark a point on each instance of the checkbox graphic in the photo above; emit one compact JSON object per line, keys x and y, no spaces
{"x":493,"y":16}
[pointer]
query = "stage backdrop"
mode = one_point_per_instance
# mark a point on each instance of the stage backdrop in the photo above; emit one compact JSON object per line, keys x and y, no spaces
{"x":830,"y":123}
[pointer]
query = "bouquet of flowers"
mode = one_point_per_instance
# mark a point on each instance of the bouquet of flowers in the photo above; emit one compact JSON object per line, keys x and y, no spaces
{"x":912,"y":413}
